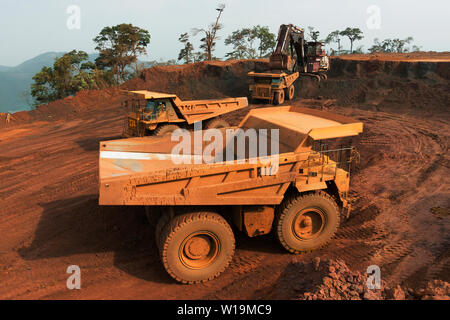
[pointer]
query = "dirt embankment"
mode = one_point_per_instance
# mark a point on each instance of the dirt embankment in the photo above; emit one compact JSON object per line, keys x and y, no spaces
{"x":70,"y":108}
{"x":374,"y":82}
{"x":383,"y":85}
{"x":204,"y":80}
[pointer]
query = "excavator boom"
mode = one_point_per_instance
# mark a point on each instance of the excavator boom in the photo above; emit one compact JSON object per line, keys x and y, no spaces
{"x":281,"y":59}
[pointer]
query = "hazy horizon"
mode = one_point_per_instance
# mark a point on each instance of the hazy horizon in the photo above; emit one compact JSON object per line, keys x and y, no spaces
{"x":32,"y":28}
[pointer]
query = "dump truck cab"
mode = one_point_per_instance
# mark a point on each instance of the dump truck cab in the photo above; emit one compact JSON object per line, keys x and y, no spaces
{"x":145,"y":110}
{"x":283,"y":170}
{"x":150,"y":112}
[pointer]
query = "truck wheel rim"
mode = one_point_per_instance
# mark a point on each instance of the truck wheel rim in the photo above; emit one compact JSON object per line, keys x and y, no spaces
{"x":199,"y":250}
{"x":308,"y":223}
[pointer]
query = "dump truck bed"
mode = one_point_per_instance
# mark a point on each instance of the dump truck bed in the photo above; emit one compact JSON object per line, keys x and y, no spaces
{"x":195,"y":110}
{"x":200,"y":110}
{"x":143,"y":171}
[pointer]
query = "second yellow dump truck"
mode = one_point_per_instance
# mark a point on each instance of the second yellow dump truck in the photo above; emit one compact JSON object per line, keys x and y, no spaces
{"x":158,"y":113}
{"x":298,"y":190}
{"x":275,"y":87}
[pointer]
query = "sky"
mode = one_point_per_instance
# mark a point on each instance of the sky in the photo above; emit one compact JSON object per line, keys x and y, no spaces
{"x":29,"y":28}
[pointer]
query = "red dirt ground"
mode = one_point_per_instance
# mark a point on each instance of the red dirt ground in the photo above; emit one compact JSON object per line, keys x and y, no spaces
{"x":409,"y":56}
{"x":50,"y":219}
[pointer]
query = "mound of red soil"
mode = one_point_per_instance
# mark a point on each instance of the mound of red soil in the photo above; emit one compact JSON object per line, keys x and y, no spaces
{"x":204,"y":80}
{"x":334,"y":280}
{"x":68,"y":108}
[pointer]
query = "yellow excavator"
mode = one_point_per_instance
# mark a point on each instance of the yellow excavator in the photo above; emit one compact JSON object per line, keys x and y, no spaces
{"x":293,"y":57}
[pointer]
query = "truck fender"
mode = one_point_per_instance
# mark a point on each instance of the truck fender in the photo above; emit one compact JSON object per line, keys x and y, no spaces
{"x":302,"y":187}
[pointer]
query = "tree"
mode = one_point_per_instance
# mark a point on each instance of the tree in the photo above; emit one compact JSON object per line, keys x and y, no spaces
{"x":199,"y":56}
{"x":359,"y":50}
{"x":267,"y":40}
{"x":242,"y":41}
{"x":69,"y":74}
{"x":119,"y":47}
{"x":352,"y":34}
{"x":335,"y":36}
{"x":399,"y":45}
{"x":415,"y":48}
{"x":392,"y":45}
{"x":209,"y":40}
{"x":314,"y":35}
{"x":186,"y":53}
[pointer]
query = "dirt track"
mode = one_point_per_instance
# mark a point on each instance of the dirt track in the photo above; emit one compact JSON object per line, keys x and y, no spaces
{"x":49,"y":217}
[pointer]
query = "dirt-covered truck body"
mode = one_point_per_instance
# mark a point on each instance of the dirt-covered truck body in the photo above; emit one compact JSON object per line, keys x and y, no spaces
{"x":292,"y":58}
{"x":300,"y":191}
{"x":161,"y":113}
{"x":275,"y":87}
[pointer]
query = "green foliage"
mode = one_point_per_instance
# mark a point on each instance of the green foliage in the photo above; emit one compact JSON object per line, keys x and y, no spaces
{"x":392,"y":45}
{"x":352,"y":34}
{"x":314,"y":35}
{"x":209,"y":40}
{"x":334,"y":37}
{"x":199,"y":56}
{"x":186,"y":53}
{"x":359,"y":50}
{"x":267,"y":40}
{"x":243,"y":40}
{"x":69,"y":74}
{"x":119,"y":47}
{"x":161,"y":62}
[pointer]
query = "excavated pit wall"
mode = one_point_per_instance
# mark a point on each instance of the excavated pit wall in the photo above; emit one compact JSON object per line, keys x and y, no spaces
{"x":391,"y":86}
{"x":397,"y":86}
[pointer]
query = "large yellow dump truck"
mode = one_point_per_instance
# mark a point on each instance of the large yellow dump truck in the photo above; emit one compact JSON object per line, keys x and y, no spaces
{"x":299,"y":189}
{"x":275,"y":87}
{"x":159,"y":113}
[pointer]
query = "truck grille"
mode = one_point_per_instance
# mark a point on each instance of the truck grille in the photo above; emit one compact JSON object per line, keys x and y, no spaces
{"x":131,"y":124}
{"x":263,"y":92}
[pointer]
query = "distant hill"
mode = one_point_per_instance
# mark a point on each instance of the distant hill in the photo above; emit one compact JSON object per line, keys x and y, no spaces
{"x":15,"y":81}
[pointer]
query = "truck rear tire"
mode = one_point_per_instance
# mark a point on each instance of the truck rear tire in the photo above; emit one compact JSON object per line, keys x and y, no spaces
{"x":163,"y":220}
{"x":196,"y":247}
{"x":166,"y":129}
{"x":217,"y":123}
{"x":290,"y":91}
{"x":307,"y":222}
{"x":278,"y":97}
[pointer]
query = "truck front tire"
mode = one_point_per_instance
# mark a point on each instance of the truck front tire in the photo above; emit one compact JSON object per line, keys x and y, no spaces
{"x":307,"y":222}
{"x":290,"y":91}
{"x":217,"y":123}
{"x":166,"y":129}
{"x":196,"y":247}
{"x":278,"y":97}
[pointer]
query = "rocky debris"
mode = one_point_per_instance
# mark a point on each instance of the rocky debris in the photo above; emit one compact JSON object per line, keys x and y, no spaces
{"x":334,"y":280}
{"x":337,"y":282}
{"x":435,"y":290}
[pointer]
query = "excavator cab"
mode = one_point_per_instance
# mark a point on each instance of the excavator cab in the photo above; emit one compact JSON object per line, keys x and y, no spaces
{"x":316,"y":57}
